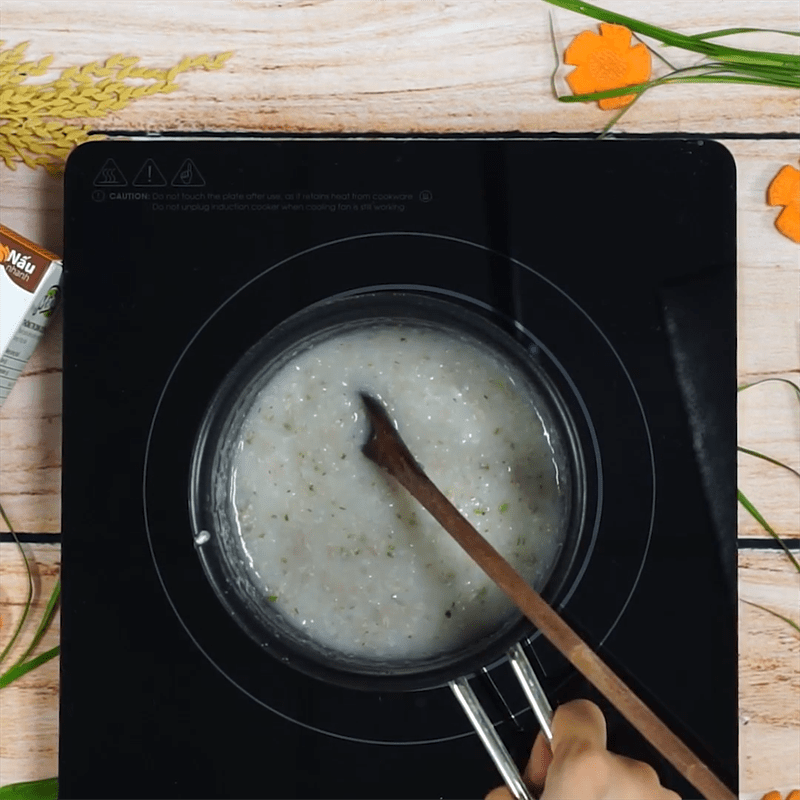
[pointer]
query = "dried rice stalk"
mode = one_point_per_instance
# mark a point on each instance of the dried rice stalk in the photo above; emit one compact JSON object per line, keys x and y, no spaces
{"x":33,"y":127}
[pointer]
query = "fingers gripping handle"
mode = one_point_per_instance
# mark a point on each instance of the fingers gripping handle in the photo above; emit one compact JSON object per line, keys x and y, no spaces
{"x":486,"y":731}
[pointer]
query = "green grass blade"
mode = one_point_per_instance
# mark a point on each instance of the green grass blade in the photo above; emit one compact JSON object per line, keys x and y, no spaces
{"x":556,"y":59}
{"x":730,"y":31}
{"x":766,"y":526}
{"x":787,"y":74}
{"x":716,"y":72}
{"x":618,"y":116}
{"x":732,"y":65}
{"x":654,"y":52}
{"x":771,"y":380}
{"x":776,"y":75}
{"x":44,"y":623}
{"x":768,"y":458}
{"x":639,"y":88}
{"x":589,"y":10}
{"x":45,"y":789}
{"x":775,"y":614}
{"x":754,"y":57}
{"x":18,"y":670}
{"x":717,"y":51}
{"x":28,"y":599}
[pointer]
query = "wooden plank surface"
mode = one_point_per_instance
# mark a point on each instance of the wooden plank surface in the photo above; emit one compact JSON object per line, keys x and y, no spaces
{"x":424,"y":65}
{"x":416,"y":65}
{"x":768,"y":325}
{"x":30,"y":440}
{"x":29,"y":706}
{"x":769,"y":673}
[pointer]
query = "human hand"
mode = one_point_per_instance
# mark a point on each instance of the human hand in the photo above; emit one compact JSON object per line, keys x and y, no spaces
{"x":580,"y":767}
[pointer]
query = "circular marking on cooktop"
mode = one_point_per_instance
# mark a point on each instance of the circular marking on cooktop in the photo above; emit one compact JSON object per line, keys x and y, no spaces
{"x":536,"y":348}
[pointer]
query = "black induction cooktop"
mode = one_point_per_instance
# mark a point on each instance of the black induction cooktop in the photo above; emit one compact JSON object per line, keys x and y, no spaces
{"x":613,"y":261}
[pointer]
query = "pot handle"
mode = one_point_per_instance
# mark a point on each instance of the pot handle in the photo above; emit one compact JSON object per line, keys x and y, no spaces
{"x":490,"y":738}
{"x":533,"y":690}
{"x":485,"y":729}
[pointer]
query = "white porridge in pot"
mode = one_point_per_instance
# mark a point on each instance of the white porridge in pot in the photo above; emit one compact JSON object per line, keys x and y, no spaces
{"x":340,"y":549}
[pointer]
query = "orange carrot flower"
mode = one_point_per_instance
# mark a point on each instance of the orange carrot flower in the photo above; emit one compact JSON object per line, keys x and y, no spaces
{"x":785,"y":191}
{"x":606,"y":62}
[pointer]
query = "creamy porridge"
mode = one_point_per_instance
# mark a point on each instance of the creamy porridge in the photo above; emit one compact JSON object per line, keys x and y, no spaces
{"x":342,"y":550}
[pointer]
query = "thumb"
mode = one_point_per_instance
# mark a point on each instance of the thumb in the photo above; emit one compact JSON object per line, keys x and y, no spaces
{"x":539,"y":762}
{"x":575,"y":724}
{"x":579,"y":722}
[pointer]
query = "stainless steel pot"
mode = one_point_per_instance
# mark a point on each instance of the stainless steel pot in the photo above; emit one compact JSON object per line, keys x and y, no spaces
{"x":222,"y":557}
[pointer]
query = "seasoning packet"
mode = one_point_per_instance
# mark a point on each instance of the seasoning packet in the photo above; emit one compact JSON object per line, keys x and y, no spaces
{"x":30,"y":285}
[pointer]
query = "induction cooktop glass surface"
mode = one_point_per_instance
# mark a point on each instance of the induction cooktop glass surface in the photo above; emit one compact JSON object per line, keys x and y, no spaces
{"x":610,"y":264}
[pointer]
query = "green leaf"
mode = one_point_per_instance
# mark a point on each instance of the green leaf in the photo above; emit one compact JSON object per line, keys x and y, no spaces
{"x":29,"y":599}
{"x":709,"y":74}
{"x":654,"y":52}
{"x":556,"y":58}
{"x":742,"y":499}
{"x":22,"y":666}
{"x":691,"y":43}
{"x":766,"y":526}
{"x":730,"y":31}
{"x":771,"y":380}
{"x":45,"y":621}
{"x":45,"y":789}
{"x":767,"y":458}
{"x":725,"y":65}
{"x":18,"y":670}
{"x":775,"y":614}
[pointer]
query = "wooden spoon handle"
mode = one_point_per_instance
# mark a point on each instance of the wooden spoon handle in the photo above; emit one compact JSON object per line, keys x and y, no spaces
{"x":387,"y":449}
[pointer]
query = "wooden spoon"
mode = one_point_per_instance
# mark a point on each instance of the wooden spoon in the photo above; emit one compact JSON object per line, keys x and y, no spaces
{"x":388,"y":451}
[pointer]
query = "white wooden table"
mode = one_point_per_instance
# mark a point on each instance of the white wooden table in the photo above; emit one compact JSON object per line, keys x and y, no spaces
{"x":409,"y":66}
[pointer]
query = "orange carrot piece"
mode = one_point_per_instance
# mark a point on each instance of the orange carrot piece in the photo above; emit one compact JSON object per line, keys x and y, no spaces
{"x":785,"y":187}
{"x":788,"y":222}
{"x":606,"y":62}
{"x":784,"y":190}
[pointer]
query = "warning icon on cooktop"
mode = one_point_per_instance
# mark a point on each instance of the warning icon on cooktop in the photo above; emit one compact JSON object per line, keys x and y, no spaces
{"x":188,"y":175}
{"x":149,"y":175}
{"x":110,"y":175}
